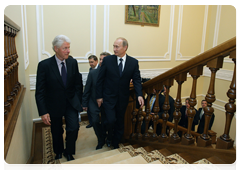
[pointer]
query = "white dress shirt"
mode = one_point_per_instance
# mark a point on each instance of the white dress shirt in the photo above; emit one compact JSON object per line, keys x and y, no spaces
{"x":123,"y":61}
{"x":60,"y":65}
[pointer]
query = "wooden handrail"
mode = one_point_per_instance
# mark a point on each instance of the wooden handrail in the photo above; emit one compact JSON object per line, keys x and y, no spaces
{"x":223,"y":49}
{"x":213,"y":59}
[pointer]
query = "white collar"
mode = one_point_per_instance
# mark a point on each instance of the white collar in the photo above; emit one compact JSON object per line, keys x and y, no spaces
{"x":124,"y":58}
{"x":59,"y":61}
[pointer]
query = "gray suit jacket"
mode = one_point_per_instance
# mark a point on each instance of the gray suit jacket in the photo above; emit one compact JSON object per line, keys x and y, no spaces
{"x":89,"y":95}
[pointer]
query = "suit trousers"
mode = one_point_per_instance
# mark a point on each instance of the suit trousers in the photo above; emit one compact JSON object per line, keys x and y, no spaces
{"x":72,"y":127}
{"x":98,"y":129}
{"x":115,"y":123}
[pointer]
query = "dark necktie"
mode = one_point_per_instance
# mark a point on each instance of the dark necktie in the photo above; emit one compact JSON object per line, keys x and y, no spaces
{"x":120,"y":66}
{"x":64,"y":74}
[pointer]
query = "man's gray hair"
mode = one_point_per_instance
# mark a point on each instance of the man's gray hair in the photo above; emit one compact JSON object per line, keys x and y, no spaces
{"x":59,"y":40}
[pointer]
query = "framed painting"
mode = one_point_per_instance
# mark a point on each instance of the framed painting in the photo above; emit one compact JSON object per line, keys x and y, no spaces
{"x":142,"y":14}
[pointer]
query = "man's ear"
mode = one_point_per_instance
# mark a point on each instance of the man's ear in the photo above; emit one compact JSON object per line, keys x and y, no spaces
{"x":55,"y":48}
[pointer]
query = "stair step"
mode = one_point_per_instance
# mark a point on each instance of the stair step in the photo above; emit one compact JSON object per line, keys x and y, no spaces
{"x":94,"y":157}
{"x":165,"y":152}
{"x":216,"y":160}
{"x":111,"y":159}
{"x":86,"y":154}
{"x":125,"y":164}
{"x":175,"y":159}
{"x":155,"y":165}
{"x":148,"y":148}
{"x":190,"y":158}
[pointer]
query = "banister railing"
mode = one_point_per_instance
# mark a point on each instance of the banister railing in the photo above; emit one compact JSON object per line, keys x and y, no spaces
{"x":13,"y":90}
{"x":213,"y":59}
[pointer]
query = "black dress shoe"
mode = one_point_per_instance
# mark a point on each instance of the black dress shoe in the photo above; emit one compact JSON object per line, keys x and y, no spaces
{"x":58,"y":156}
{"x":108,"y":142}
{"x":89,"y":126}
{"x":99,"y":146}
{"x":68,"y":156}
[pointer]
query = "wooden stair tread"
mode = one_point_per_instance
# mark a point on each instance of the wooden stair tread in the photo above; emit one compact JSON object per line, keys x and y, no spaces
{"x":190,"y":158}
{"x":111,"y":159}
{"x":127,"y":164}
{"x":93,"y":157}
{"x":216,"y":160}
{"x":155,"y":165}
{"x":165,"y":152}
{"x":148,"y":148}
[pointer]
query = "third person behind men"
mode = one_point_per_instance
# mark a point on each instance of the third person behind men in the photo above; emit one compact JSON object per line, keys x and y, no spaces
{"x":90,"y":103}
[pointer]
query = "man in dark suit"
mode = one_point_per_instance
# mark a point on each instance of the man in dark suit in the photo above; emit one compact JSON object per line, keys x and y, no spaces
{"x":161,"y":111}
{"x":184,"y":118}
{"x":58,"y":94}
{"x":113,"y":88}
{"x":201,"y":118}
{"x":93,"y":62}
{"x":90,"y":102}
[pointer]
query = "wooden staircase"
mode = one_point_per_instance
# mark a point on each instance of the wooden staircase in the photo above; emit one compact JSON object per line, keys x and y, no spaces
{"x":135,"y":154}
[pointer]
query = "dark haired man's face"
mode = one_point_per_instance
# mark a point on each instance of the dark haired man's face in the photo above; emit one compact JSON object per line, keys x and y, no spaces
{"x":92,"y":63}
{"x":204,"y":104}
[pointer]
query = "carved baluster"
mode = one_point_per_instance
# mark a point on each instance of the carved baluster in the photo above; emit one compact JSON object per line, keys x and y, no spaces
{"x":17,"y":84}
{"x":188,"y":139}
{"x":14,"y":89}
{"x":147,"y":118}
{"x":166,"y":106}
{"x":155,"y":116}
{"x":6,"y":66}
{"x":178,"y":104}
{"x":134,"y":120}
{"x":224,"y":141}
{"x":214,"y":65}
{"x":7,"y":105}
{"x":140,"y":119}
{"x":10,"y":66}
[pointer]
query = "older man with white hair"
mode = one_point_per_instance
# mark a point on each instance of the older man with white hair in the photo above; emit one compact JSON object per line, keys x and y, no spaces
{"x":58,"y":95}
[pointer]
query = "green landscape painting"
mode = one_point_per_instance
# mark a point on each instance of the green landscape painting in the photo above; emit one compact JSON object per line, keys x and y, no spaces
{"x":142,"y":14}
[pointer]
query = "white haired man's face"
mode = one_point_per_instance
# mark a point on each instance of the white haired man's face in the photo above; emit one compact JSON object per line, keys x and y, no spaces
{"x":62,"y":52}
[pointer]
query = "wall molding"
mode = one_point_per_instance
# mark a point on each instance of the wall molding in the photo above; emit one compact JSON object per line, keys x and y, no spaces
{"x":25,"y":35}
{"x":151,"y":73}
{"x":41,"y":41}
{"x":106,"y":29}
{"x":168,"y":55}
{"x":179,"y":56}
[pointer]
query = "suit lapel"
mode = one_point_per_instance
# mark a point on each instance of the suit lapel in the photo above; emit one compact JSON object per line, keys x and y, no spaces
{"x":69,"y":70}
{"x":55,"y":70}
{"x":116,"y":65}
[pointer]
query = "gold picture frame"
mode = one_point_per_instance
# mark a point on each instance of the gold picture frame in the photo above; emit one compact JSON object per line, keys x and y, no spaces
{"x":142,"y":15}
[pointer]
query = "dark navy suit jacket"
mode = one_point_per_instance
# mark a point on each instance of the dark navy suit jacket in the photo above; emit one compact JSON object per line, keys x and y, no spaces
{"x":113,"y":88}
{"x":51,"y":94}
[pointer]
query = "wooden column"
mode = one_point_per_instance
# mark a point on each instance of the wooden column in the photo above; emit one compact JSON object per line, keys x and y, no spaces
{"x":178,"y":104}
{"x":147,"y":117}
{"x":134,"y":120}
{"x":188,"y":139}
{"x":140,"y":119}
{"x":214,"y":65}
{"x":224,"y":141}
{"x":155,"y":116}
{"x":163,"y":137}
